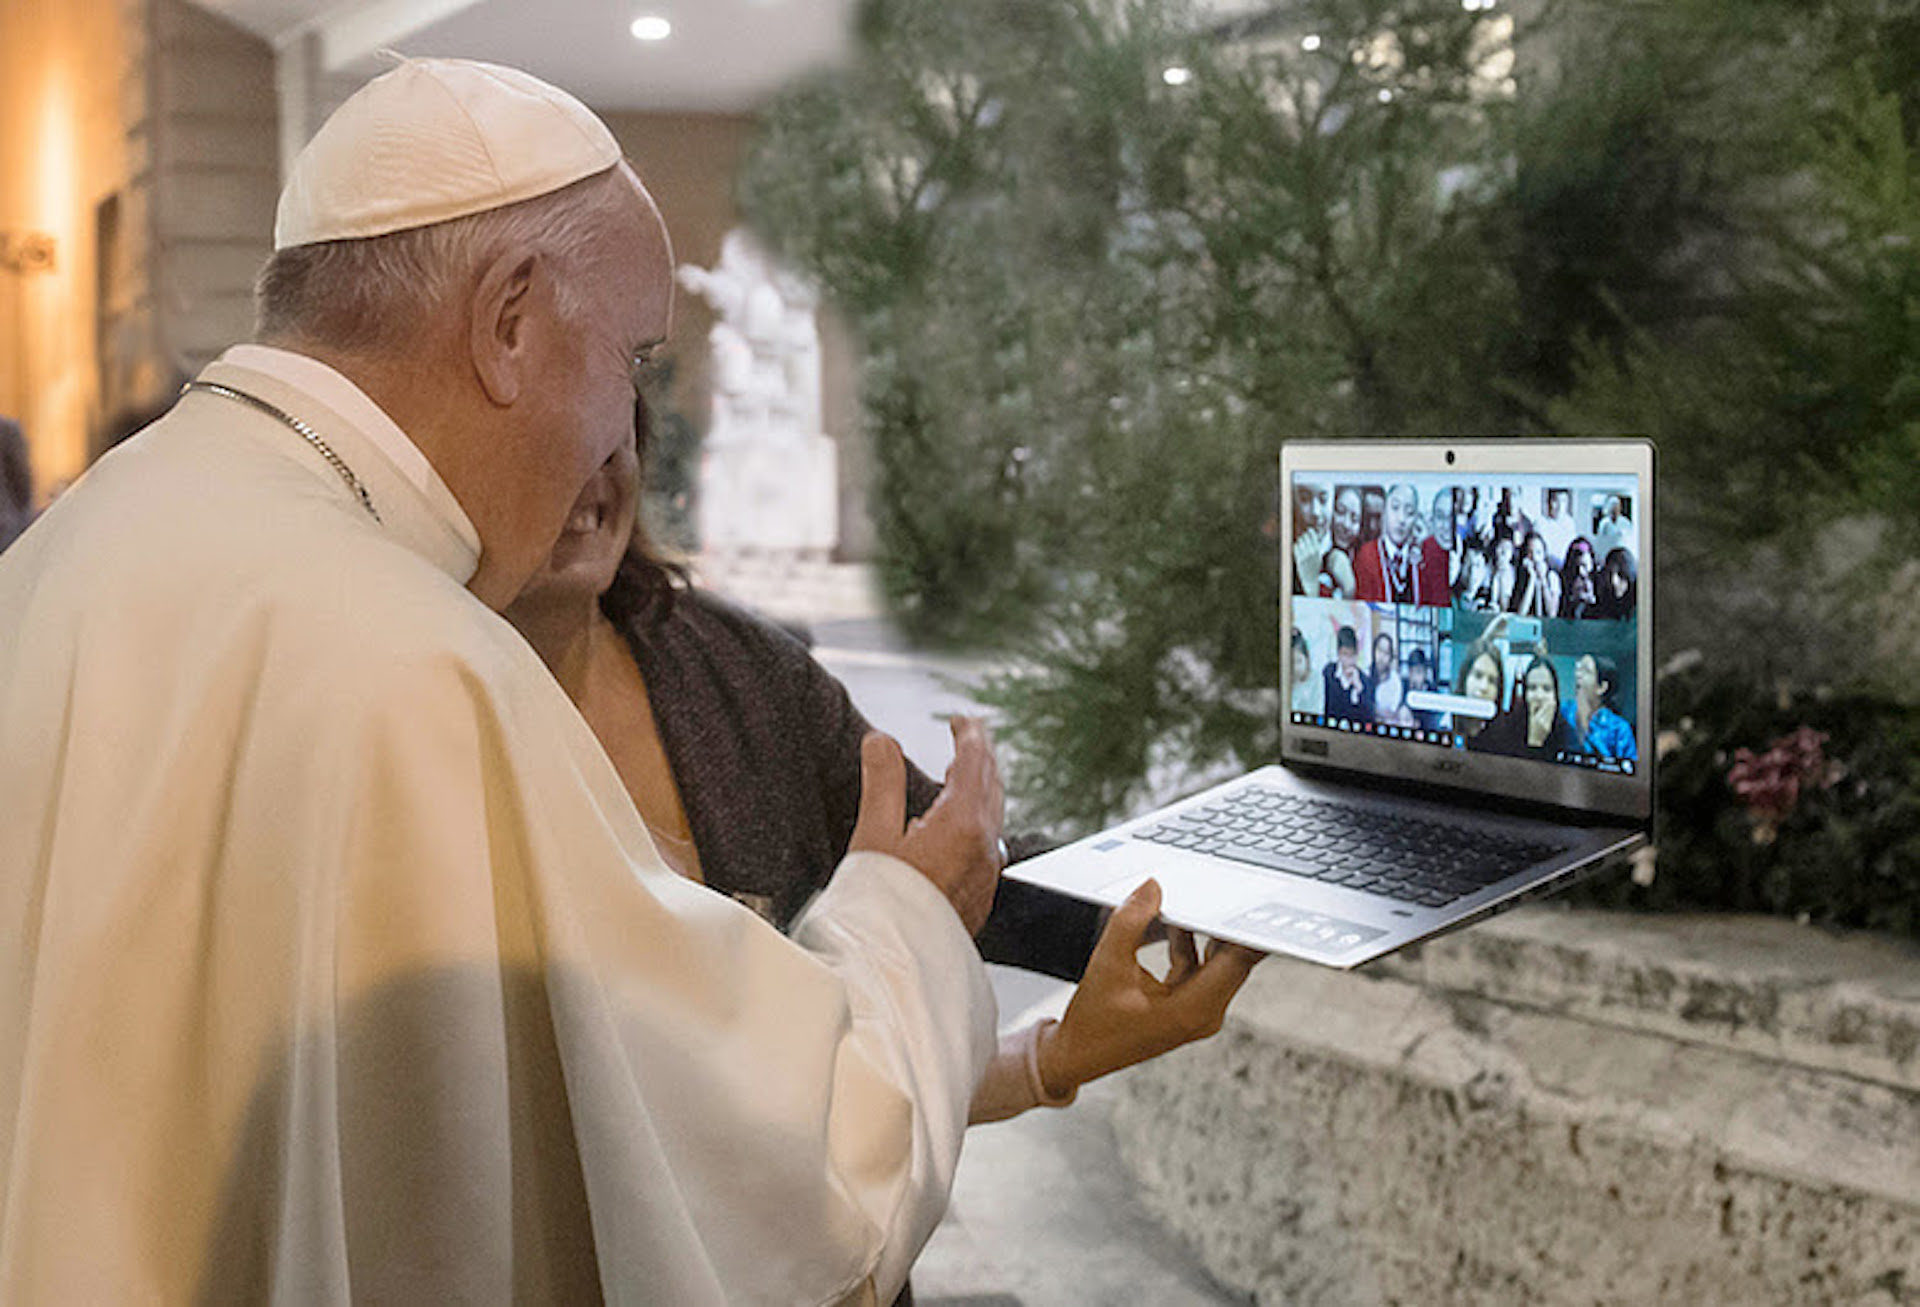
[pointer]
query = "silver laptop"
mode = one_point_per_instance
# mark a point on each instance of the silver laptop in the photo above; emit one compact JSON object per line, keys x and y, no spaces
{"x":1466,"y":690}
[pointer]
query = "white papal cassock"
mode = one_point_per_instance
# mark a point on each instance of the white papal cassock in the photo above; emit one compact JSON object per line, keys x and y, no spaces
{"x":335,"y":962}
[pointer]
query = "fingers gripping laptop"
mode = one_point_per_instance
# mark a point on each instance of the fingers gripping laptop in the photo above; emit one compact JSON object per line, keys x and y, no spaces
{"x":1465,"y":681}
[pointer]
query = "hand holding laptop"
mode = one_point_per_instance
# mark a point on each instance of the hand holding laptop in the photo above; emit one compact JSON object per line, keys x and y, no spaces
{"x":1122,"y":1014}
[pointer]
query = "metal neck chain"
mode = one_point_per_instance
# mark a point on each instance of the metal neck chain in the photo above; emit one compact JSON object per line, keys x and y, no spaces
{"x":306,"y":432}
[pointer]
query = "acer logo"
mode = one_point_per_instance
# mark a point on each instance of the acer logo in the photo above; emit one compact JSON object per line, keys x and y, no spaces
{"x":1448,"y":765}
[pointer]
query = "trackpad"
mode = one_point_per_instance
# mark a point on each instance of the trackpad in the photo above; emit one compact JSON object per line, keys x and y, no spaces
{"x":1185,"y":897}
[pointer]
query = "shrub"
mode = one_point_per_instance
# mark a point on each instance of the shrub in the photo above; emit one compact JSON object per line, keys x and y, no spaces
{"x":1840,"y":847}
{"x":1094,"y":303}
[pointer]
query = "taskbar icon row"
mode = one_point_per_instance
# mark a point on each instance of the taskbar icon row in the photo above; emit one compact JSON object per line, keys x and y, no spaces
{"x":1386,"y":730}
{"x":1593,"y":762}
{"x":1449,"y":740}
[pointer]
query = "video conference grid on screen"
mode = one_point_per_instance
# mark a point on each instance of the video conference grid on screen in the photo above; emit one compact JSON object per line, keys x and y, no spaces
{"x":1494,"y":616}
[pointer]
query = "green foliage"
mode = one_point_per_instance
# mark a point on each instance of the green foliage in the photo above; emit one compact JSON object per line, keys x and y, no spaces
{"x":1068,"y":273}
{"x":960,"y":194}
{"x":1093,"y":304}
{"x":1848,"y":852}
{"x":1781,"y":381}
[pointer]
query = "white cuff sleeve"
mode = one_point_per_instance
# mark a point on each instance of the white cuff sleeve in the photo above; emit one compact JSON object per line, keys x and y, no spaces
{"x":922,"y":1011}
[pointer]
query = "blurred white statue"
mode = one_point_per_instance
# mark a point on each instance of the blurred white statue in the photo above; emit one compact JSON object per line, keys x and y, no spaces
{"x":768,"y":472}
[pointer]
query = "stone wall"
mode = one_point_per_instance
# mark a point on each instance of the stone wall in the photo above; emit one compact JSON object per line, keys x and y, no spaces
{"x":1554,"y":1107}
{"x":216,"y":181}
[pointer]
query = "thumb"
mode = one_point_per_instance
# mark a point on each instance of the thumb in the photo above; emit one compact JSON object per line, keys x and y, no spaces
{"x":1220,"y":977}
{"x":1127,"y":929}
{"x":883,"y":795}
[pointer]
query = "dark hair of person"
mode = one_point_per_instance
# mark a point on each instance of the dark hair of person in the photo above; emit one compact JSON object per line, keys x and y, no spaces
{"x":1539,"y":660}
{"x":1570,"y":576}
{"x":1607,"y":672}
{"x":1619,"y":559}
{"x":1475,"y":653}
{"x":1347,"y":639}
{"x":1510,"y":728}
{"x":1299,"y":645}
{"x":16,"y":471}
{"x":647,"y":580}
{"x":1417,"y":658}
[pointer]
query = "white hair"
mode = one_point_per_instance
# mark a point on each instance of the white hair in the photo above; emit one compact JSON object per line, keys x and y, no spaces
{"x":379,"y":291}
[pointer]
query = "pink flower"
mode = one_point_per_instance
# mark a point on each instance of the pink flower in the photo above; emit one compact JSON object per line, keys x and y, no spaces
{"x":1769,"y":784}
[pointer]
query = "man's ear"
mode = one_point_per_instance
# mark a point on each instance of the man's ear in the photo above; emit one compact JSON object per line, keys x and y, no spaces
{"x":500,"y":326}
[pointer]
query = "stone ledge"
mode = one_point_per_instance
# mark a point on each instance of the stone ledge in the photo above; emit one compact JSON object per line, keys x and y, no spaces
{"x":1761,"y":985}
{"x":1530,"y":1125}
{"x":791,"y":588}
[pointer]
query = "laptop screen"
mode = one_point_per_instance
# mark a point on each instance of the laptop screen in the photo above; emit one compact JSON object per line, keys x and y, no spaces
{"x":1472,"y":613}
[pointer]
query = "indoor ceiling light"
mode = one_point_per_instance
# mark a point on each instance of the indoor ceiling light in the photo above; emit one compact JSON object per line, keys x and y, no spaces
{"x":1176,"y":75}
{"x":651,"y":27}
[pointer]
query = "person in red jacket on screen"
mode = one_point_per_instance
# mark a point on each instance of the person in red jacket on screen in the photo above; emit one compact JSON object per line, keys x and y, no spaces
{"x":1400,"y":567}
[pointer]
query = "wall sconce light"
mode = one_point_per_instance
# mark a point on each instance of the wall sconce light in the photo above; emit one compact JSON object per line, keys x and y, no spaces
{"x":26,"y":251}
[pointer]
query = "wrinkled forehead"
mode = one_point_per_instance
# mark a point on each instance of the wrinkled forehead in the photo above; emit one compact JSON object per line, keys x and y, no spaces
{"x":642,"y":246}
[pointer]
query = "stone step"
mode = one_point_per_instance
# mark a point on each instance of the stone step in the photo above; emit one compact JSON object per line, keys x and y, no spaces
{"x":1760,"y":985}
{"x":792,"y":589}
{"x":1578,"y":1107}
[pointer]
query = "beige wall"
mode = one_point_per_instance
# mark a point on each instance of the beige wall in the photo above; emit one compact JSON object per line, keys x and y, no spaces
{"x":173,"y":115}
{"x":70,"y":93}
{"x":139,"y":135}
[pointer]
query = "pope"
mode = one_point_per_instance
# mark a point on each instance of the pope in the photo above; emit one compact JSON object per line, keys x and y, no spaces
{"x":335,"y":962}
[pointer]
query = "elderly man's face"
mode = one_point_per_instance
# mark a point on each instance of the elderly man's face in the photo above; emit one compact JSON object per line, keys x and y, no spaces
{"x":582,"y":411}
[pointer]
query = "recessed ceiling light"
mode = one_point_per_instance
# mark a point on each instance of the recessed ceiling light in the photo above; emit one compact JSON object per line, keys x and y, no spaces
{"x":651,"y":27}
{"x":1176,"y":75}
{"x":1310,"y":43}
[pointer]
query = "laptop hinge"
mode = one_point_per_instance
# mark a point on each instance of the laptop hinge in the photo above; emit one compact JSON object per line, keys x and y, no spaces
{"x":1506,"y":805}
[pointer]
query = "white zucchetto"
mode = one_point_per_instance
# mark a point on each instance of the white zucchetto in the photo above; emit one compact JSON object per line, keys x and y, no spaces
{"x":436,"y":139}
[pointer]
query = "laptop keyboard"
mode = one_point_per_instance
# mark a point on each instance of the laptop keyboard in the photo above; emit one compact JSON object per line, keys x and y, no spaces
{"x":1428,"y":863}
